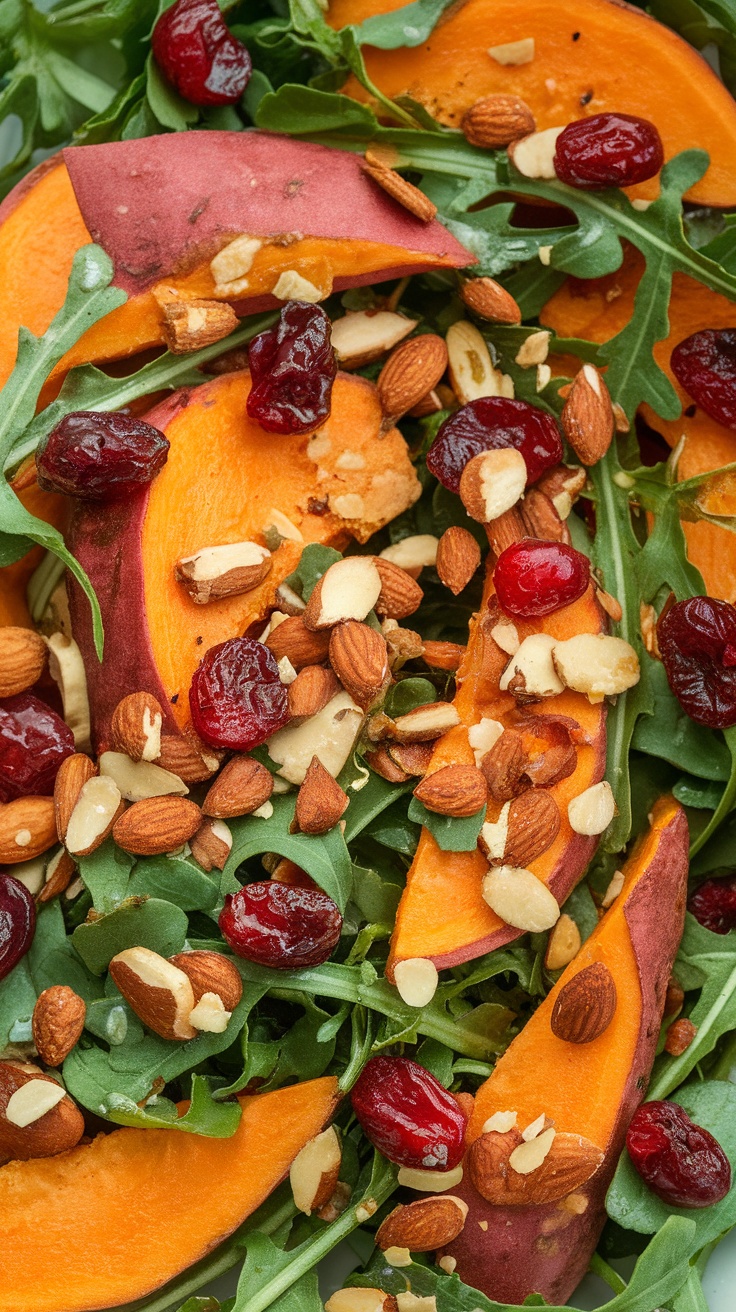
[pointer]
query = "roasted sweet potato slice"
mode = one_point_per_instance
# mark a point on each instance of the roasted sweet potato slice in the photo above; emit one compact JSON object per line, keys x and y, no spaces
{"x":111,"y":1221}
{"x":577,"y":57}
{"x":225,"y":480}
{"x":442,"y":914}
{"x":588,"y":1090}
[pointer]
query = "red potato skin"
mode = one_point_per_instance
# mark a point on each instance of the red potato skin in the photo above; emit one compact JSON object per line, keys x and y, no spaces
{"x":546,"y":1249}
{"x":162,"y":205}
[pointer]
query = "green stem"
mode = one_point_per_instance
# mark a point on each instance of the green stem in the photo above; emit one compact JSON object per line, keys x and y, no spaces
{"x":362,"y":1042}
{"x":600,"y":1268}
{"x":727,"y":802}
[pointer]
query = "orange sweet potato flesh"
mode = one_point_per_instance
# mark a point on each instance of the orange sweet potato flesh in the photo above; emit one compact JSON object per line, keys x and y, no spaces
{"x":587,"y":1089}
{"x":111,"y":1221}
{"x":442,"y":914}
{"x":223,"y":479}
{"x":590,"y":56}
{"x":600,"y":308}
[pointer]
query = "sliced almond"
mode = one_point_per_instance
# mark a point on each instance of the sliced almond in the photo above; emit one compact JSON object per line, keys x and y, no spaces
{"x":472,"y":372}
{"x":66,"y":668}
{"x":348,"y":590}
{"x":412,"y":370}
{"x":135,"y":727}
{"x":493,"y":122}
{"x":458,"y":557}
{"x":383,"y":764}
{"x":563,"y":944}
{"x":212,"y":845}
{"x":98,"y":805}
{"x":312,"y":689}
{"x":301,"y":645}
{"x":211,"y":972}
{"x":37,"y":1117}
{"x":424,"y":1225}
{"x":160,"y":994}
{"x":587,"y":416}
{"x":241,"y":787}
{"x":454,"y":790}
{"x":425,"y":723}
{"x":315,"y":1170}
{"x":58,"y":1021}
{"x":492,"y":482}
{"x":534,"y":156}
{"x":359,"y":658}
{"x":596,"y":664}
{"x":416,"y":980}
{"x":531,"y":674}
{"x":520,"y":899}
{"x":361,"y":1300}
{"x":429,"y":1182}
{"x":224,"y":571}
{"x":190,"y":325}
{"x":585,"y":1005}
{"x":488,"y":299}
{"x":330,"y":735}
{"x":592,"y":811}
{"x":27,"y":828}
{"x":513,"y":54}
{"x":362,"y":336}
{"x":22,"y":659}
{"x":157,"y":825}
{"x":534,"y":349}
{"x":413,"y":553}
{"x":72,"y":775}
{"x":138,"y":780}
{"x":320,"y":801}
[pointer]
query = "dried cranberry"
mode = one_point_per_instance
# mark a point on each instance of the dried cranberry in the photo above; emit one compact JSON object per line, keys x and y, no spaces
{"x":697,"y":641}
{"x":488,"y":424}
{"x":17,"y":922}
{"x":534,"y":578}
{"x":34,"y":741}
{"x":293,"y":367}
{"x":714,"y":904}
{"x":680,"y":1161}
{"x":408,"y":1115}
{"x":281,"y":925}
{"x":100,"y":456}
{"x":237,"y":698}
{"x":608,"y":150}
{"x":199,"y":55}
{"x":705,"y":364}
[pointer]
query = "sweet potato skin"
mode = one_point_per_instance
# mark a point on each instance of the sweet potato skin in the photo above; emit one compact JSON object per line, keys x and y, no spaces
{"x":546,"y":1249}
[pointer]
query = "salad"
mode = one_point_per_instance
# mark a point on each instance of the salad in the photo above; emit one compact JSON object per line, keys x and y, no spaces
{"x":367,"y":654}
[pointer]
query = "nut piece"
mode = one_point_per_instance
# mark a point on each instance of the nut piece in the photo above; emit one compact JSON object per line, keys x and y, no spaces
{"x":541,"y":520}
{"x":66,"y":668}
{"x":413,"y":758}
{"x":135,"y":728}
{"x":489,"y":300}
{"x":22,"y":659}
{"x":404,"y":192}
{"x":189,"y":325}
{"x":241,"y":787}
{"x":472,"y":372}
{"x":534,"y":156}
{"x":211,"y":972}
{"x":361,"y":1300}
{"x":362,"y":336}
{"x":563,"y":945}
{"x":413,"y":553}
{"x":512,"y":54}
{"x":416,"y":980}
{"x":567,"y":1162}
{"x":27,"y":828}
{"x":348,"y":590}
{"x":425,"y":723}
{"x":531,"y":673}
{"x":492,"y":482}
{"x":587,"y":416}
{"x":211,"y":845}
{"x":585,"y":1006}
{"x":592,"y":810}
{"x":429,"y":1182}
{"x":58,"y":1021}
{"x":311,"y":690}
{"x":382,"y":762}
{"x":412,"y":370}
{"x":455,"y":790}
{"x":73,"y":774}
{"x":58,"y":876}
{"x":156,"y":825}
{"x":424,"y":1225}
{"x":294,"y":640}
{"x":160,"y":994}
{"x":188,"y":758}
{"x":458,"y":557}
{"x":37,"y":1118}
{"x":315,"y":1170}
{"x":400,"y":594}
{"x":563,"y":486}
{"x":519,"y":898}
{"x":679,"y":1036}
{"x":359,"y":657}
{"x":140,"y":779}
{"x":494,"y":122}
{"x":226,"y":571}
{"x":329,"y":735}
{"x":443,"y":655}
{"x":596,"y":664}
{"x":320,"y":801}
{"x":503,"y":765}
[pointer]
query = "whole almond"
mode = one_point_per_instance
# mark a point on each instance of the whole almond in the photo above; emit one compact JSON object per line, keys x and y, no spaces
{"x":495,"y":121}
{"x":458,"y":557}
{"x":211,"y":972}
{"x":541,"y":519}
{"x":587,"y":416}
{"x":359,"y":658}
{"x":58,"y":1021}
{"x":183,"y":754}
{"x":489,"y":300}
{"x":569,"y":1163}
{"x":27,"y":828}
{"x":313,"y":687}
{"x":189,"y":325}
{"x":424,"y":1225}
{"x":53,"y":1131}
{"x":400,"y":594}
{"x":503,"y":766}
{"x":241,"y":787}
{"x":135,"y":727}
{"x":404,"y":192}
{"x":443,"y":655}
{"x":455,"y":790}
{"x":23,"y":655}
{"x":585,"y":1006}
{"x":534,"y":823}
{"x":73,"y":774}
{"x":412,"y":369}
{"x":320,"y":802}
{"x":293,"y":639}
{"x":157,"y":825}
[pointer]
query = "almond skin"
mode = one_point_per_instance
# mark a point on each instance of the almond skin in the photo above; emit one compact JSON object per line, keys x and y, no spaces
{"x":58,"y":881}
{"x":424,"y":1225}
{"x":241,"y":787}
{"x":189,"y":325}
{"x":59,"y":1129}
{"x":73,"y":774}
{"x":455,"y":790}
{"x":135,"y":727}
{"x":160,"y":993}
{"x":506,"y":530}
{"x":489,"y":300}
{"x":320,"y":802}
{"x":27,"y":828}
{"x":414,"y":758}
{"x":400,"y":594}
{"x":541,"y":519}
{"x":404,"y":192}
{"x":493,"y":122}
{"x":211,"y":972}
{"x":211,"y":849}
{"x":58,"y":1021}
{"x":383,"y":764}
{"x":23,"y":655}
{"x":359,"y":658}
{"x":570,"y":1162}
{"x":312,"y":689}
{"x":411,"y":371}
{"x":585,"y":1006}
{"x":303,"y":647}
{"x":534,"y":823}
{"x":503,"y":766}
{"x":157,"y":825}
{"x":443,"y":655}
{"x":587,"y":416}
{"x":458,"y":557}
{"x":181,"y":755}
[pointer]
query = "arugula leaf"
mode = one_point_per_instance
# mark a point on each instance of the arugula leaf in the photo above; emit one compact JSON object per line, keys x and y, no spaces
{"x":174,"y":880}
{"x":325,"y":858}
{"x":408,"y":26}
{"x":17,"y":1000}
{"x":149,"y":923}
{"x":105,"y":875}
{"x":205,"y":1115}
{"x":449,"y":833}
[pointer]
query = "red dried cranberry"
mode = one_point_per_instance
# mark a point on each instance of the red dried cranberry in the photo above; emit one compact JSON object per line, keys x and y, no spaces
{"x":281,"y":925}
{"x":293,"y":367}
{"x":534,"y":578}
{"x":99,"y":456}
{"x":680,"y":1161}
{"x":488,"y":424}
{"x":17,"y":922}
{"x":714,"y":904}
{"x":237,"y":698}
{"x":408,"y":1115}
{"x":608,"y":150}
{"x":199,"y":55}
{"x":705,"y":364}
{"x":697,"y":641}
{"x":34,"y":741}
